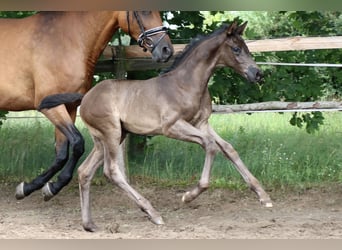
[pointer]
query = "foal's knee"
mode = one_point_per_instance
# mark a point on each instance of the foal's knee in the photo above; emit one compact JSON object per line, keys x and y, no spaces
{"x":83,"y":177}
{"x":211,"y":146}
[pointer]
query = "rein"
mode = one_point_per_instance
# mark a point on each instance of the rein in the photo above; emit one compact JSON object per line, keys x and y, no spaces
{"x":144,"y":39}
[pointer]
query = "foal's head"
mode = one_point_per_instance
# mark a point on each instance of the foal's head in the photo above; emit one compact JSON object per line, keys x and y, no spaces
{"x":147,"y":28}
{"x":235,"y":54}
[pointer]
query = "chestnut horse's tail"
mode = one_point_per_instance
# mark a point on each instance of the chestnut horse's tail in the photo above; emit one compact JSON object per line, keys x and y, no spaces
{"x":58,"y":99}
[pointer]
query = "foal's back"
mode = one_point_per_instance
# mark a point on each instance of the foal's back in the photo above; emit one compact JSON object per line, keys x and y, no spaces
{"x":139,"y":105}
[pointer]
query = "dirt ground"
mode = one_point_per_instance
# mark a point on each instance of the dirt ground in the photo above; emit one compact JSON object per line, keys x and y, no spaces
{"x":216,"y":214}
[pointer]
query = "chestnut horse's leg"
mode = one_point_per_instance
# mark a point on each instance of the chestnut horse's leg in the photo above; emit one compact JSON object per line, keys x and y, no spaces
{"x":62,"y":148}
{"x":66,"y":134}
{"x":60,"y":117}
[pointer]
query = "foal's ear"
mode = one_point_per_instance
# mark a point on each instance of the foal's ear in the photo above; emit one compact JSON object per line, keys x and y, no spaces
{"x":241,"y":28}
{"x":231,"y":29}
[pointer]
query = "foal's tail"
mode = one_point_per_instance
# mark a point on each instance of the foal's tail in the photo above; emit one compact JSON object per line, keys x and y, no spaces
{"x":58,"y":99}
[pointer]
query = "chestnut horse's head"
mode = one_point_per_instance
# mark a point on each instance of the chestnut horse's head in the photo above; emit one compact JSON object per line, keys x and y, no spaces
{"x":147,"y":28}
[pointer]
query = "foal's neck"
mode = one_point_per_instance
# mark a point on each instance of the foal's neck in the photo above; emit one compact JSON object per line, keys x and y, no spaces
{"x":199,"y":65}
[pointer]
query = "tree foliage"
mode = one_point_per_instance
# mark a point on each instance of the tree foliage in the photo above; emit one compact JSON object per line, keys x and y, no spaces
{"x":283,"y":83}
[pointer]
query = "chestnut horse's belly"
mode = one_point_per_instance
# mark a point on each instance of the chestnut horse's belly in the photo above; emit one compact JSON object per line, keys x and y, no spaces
{"x":13,"y":100}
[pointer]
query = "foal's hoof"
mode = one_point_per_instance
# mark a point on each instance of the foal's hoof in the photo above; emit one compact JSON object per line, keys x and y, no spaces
{"x":46,"y":191}
{"x":19,"y":191}
{"x":158,"y":220}
{"x":90,"y":227}
{"x":187,"y":197}
{"x":266,"y":203}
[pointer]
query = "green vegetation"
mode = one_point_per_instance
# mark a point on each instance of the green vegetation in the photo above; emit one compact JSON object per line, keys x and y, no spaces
{"x":27,"y":145}
{"x":284,"y":83}
{"x":277,"y":154}
{"x":280,"y":156}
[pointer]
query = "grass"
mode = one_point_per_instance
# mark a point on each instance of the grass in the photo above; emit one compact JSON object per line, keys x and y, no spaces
{"x":278,"y":154}
{"x":27,"y":145}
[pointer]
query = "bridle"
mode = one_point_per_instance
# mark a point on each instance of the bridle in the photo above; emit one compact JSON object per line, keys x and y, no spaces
{"x":144,"y":39}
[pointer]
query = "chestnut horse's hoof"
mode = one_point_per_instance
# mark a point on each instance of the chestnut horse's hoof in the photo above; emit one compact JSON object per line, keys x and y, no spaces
{"x":46,"y":191}
{"x":19,"y":191}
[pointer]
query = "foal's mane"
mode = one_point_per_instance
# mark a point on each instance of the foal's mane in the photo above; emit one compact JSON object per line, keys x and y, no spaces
{"x":194,"y":43}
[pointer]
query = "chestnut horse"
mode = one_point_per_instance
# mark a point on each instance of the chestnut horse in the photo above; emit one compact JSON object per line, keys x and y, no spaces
{"x":50,"y":54}
{"x":176,"y":104}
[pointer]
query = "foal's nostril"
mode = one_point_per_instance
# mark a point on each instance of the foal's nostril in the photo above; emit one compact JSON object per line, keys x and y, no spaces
{"x":254,"y":74}
{"x":259,"y":75}
{"x":167,"y":51}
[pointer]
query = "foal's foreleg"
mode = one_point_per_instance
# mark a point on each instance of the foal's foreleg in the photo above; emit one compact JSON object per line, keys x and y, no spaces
{"x":182,"y":130}
{"x":204,"y":182}
{"x":230,"y":153}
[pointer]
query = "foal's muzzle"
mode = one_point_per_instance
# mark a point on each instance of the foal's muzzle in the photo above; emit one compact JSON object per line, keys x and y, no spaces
{"x":254,"y":74}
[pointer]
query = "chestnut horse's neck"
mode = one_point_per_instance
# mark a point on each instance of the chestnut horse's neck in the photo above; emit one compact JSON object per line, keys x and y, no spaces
{"x":94,"y":30}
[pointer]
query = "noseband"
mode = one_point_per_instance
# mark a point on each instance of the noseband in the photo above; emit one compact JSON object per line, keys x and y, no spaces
{"x":144,"y":39}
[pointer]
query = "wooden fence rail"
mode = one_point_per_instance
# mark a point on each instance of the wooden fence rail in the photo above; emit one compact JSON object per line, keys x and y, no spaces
{"x":132,"y":58}
{"x":278,"y":106}
{"x":272,"y":106}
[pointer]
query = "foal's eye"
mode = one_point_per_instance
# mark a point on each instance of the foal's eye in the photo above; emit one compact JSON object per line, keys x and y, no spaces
{"x":236,"y":50}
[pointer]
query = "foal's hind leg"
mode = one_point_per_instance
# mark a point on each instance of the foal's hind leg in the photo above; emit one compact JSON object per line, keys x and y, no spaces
{"x":111,"y":140}
{"x":230,"y":153}
{"x":122,"y":159}
{"x":85,"y":174}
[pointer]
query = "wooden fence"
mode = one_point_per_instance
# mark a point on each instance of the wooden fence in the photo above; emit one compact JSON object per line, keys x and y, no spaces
{"x":120,"y":59}
{"x":133,"y":58}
